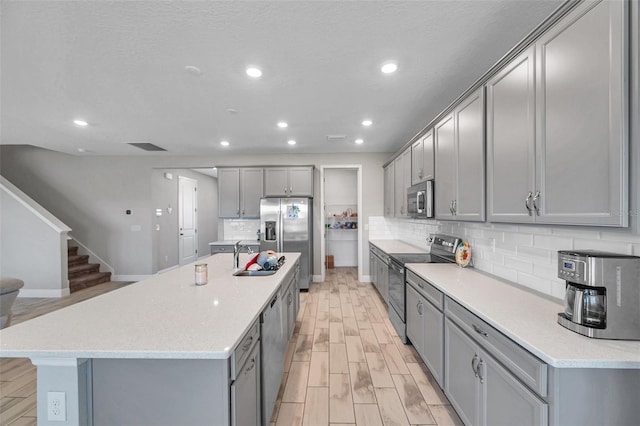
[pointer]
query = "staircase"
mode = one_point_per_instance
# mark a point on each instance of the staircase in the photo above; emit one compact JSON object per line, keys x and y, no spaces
{"x":83,"y":274}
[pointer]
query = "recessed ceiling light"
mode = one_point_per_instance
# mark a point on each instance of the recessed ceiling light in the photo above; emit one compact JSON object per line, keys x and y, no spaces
{"x":80,"y":123}
{"x":282,"y":124}
{"x":367,"y":123}
{"x":82,"y":150}
{"x":254,"y":72}
{"x":224,"y":143}
{"x":195,"y":71}
{"x":389,"y":67}
{"x":359,"y":141}
{"x":232,"y":111}
{"x":291,"y":142}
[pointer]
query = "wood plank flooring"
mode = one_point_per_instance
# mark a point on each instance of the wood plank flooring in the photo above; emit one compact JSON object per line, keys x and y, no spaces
{"x":345,"y":364}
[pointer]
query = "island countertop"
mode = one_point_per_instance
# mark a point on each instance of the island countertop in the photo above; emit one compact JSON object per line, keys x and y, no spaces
{"x":164,"y":317}
{"x":528,"y":319}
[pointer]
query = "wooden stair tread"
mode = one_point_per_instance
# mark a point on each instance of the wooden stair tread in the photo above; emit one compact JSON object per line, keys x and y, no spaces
{"x":88,"y":280}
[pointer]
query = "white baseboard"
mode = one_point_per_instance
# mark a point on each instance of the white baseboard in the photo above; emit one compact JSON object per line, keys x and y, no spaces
{"x":317,"y":278}
{"x":365,"y":279}
{"x":37,"y":292}
{"x":170,"y":268}
{"x":135,"y":278}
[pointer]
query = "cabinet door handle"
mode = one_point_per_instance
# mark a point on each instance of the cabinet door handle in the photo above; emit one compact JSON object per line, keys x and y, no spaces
{"x":451,"y":207}
{"x":253,"y":364}
{"x":291,"y":190}
{"x":480,"y":330}
{"x":474,"y":366}
{"x":248,"y":345}
{"x":419,"y":307}
{"x":527,"y":201}
{"x":536,"y":197}
{"x":455,"y":207}
{"x":479,"y":370}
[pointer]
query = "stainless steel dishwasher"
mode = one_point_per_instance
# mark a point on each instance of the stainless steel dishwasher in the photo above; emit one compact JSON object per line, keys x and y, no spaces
{"x":274,"y":346}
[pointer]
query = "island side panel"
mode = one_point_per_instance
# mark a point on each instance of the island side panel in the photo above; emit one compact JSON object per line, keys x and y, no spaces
{"x":160,"y":392}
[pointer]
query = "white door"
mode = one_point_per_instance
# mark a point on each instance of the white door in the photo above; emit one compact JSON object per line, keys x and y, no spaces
{"x":187,"y":220}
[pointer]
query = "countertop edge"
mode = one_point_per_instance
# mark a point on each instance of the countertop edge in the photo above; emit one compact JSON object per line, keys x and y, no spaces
{"x":551,"y":361}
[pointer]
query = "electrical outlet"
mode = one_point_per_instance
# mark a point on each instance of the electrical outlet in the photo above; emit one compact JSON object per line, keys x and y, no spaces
{"x":56,"y":406}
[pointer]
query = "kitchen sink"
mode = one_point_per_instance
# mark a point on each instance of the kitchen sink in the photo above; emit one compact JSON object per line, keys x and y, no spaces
{"x":253,"y":273}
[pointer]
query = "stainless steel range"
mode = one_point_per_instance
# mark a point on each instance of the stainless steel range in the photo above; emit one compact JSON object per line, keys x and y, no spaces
{"x":443,"y":249}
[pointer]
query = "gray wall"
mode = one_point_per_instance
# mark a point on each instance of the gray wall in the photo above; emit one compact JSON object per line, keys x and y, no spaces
{"x":164,"y":193}
{"x":31,"y":250}
{"x":91,"y":194}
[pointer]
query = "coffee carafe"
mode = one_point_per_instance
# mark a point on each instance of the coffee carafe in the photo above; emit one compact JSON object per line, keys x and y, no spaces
{"x":602,"y":294}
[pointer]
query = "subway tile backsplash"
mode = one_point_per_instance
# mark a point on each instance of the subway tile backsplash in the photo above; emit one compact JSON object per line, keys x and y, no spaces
{"x":525,"y":254}
{"x":240,"y":229}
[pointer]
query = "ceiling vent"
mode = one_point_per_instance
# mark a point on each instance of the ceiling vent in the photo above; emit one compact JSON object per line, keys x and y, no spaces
{"x":146,"y":146}
{"x":335,"y":138}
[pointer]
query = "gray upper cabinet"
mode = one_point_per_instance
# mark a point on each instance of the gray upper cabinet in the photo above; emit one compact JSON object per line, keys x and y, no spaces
{"x":229,"y":192}
{"x":288,"y":181}
{"x":511,"y":141}
{"x":239,"y":192}
{"x":402,"y":182}
{"x":422,"y":162}
{"x":557,"y":147}
{"x":469,"y":205}
{"x":250,"y":192}
{"x":389,"y":190}
{"x":459,"y":157}
{"x":581,"y":137}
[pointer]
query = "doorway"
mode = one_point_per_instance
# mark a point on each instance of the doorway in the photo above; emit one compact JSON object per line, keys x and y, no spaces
{"x":187,"y":220}
{"x":341,"y":203}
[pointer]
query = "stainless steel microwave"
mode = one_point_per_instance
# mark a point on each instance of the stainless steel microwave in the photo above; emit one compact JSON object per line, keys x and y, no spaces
{"x":420,"y":200}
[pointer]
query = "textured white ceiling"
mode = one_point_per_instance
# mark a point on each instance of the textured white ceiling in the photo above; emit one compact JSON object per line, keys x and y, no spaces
{"x":120,"y":66}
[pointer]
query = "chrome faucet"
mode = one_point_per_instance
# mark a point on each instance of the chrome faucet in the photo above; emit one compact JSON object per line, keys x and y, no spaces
{"x":236,"y":254}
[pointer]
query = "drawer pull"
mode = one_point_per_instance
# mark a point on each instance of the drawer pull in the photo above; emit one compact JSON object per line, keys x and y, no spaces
{"x":420,"y":284}
{"x":474,"y":366}
{"x":479,"y":330}
{"x":248,"y":345}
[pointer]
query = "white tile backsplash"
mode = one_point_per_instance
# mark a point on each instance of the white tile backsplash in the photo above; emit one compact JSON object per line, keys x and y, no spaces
{"x":524,"y":254}
{"x":240,"y":229}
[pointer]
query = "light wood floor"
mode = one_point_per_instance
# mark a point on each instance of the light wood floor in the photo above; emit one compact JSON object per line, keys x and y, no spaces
{"x":344,"y":365}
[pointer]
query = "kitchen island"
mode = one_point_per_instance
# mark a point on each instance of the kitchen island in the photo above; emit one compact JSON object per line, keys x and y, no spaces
{"x":161,"y":351}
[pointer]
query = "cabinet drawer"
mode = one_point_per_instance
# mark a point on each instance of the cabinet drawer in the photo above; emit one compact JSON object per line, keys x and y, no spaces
{"x":244,"y":348}
{"x":529,"y":369}
{"x":431,"y":293}
{"x":221,"y":249}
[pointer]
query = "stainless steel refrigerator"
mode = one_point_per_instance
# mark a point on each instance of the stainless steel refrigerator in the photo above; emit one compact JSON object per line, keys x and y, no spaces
{"x":286,"y":225}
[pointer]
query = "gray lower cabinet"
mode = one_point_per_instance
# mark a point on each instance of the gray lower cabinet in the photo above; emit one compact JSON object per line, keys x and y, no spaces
{"x":389,"y":190}
{"x":290,"y":295}
{"x":288,"y":181}
{"x":481,"y":390}
{"x":228,"y":248}
{"x":245,"y":391}
{"x":383,"y":280}
{"x":373,"y":268}
{"x":425,"y":323}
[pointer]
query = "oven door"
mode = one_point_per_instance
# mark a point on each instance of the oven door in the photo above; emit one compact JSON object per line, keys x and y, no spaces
{"x":396,"y":288}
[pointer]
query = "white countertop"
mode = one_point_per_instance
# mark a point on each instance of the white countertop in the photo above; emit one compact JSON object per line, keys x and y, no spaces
{"x":165,"y":316}
{"x":397,"y":247}
{"x":230,"y":243}
{"x":528,"y":319}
